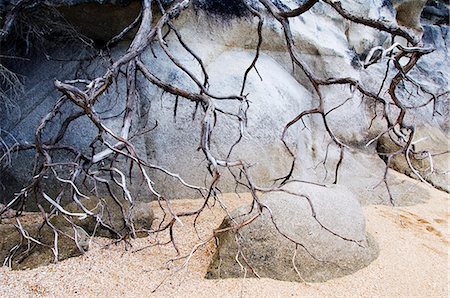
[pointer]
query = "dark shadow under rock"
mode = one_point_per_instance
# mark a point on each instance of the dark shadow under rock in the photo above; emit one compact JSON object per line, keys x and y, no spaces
{"x":324,"y":255}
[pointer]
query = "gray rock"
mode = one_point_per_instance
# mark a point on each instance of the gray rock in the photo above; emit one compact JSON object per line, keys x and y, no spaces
{"x":74,"y":239}
{"x":32,"y":256}
{"x":227,"y":48}
{"x":363,"y":174}
{"x":271,"y":255}
{"x":436,"y":12}
{"x":429,"y":140}
{"x":112,"y":215}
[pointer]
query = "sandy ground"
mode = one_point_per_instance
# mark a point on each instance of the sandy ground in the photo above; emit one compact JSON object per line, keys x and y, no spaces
{"x":414,"y":261}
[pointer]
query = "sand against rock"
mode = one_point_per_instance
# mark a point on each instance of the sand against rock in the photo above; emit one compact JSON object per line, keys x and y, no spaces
{"x":413,"y":261}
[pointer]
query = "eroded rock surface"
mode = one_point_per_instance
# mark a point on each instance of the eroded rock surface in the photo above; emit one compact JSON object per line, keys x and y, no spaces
{"x":432,"y":167}
{"x":227,"y":46}
{"x":28,"y":254}
{"x":112,"y":214}
{"x":73,"y":237}
{"x":324,"y":255}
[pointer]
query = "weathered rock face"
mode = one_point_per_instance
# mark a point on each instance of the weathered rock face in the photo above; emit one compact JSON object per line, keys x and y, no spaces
{"x":408,"y":13}
{"x":324,"y":255}
{"x":112,"y":215}
{"x":72,"y":240}
{"x":226,"y":42}
{"x":436,"y":12}
{"x":27,"y":257}
{"x":431,"y":168}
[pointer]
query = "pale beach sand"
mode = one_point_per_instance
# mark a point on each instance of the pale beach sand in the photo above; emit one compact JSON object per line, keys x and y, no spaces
{"x":413,"y":261}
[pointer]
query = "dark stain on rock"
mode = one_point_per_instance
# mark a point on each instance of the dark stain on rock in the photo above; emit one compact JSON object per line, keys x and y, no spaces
{"x":228,"y":8}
